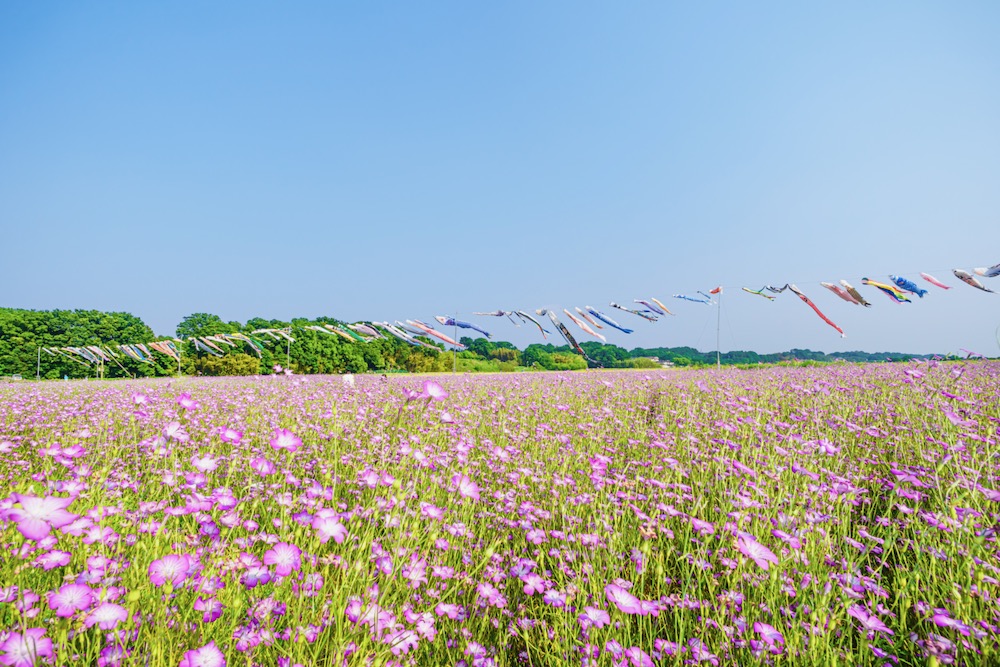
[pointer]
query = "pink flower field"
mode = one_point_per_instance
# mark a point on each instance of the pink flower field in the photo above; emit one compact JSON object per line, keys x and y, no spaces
{"x":788,"y":516}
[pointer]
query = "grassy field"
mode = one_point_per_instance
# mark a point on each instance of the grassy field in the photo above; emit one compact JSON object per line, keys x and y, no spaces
{"x":787,"y":516}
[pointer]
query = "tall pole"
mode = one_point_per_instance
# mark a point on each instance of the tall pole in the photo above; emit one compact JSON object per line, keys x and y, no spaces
{"x":454,"y":351}
{"x":718,"y":323}
{"x":288,"y":348}
{"x":38,"y":368}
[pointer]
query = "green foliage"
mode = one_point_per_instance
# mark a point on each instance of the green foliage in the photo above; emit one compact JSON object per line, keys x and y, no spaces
{"x":230,"y":364}
{"x":550,"y":358}
{"x":22,"y":332}
{"x":688,"y":356}
{"x":481,"y":347}
{"x":536,"y":356}
{"x":255,"y":323}
{"x":606,"y":356}
{"x":643,"y":362}
{"x":568,"y":361}
{"x":315,"y":352}
{"x":500,"y":351}
{"x":507,"y":355}
{"x":205,"y":324}
{"x":466,"y":365}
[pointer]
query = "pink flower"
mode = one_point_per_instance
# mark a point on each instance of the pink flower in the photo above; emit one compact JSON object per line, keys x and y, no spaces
{"x":756,"y":551}
{"x":621,"y":598}
{"x":700,"y":652}
{"x":380,"y":620}
{"x":869,"y":621}
{"x":702,"y":527}
{"x":26,"y":605}
{"x":649,"y":608}
{"x":231,"y":435}
{"x":53,"y":559}
{"x":106,"y":616}
{"x":70,"y":599}
{"x":593,"y":617}
{"x":186,"y":402}
{"x":535,"y":536}
{"x":430,"y":511}
{"x":638,"y":658}
{"x":23,"y":650}
{"x":443,"y":572}
{"x":415,"y":571}
{"x":208,"y":655}
{"x":285,"y":557}
{"x":205,"y":463}
{"x":327,"y":527}
{"x":828,"y":448}
{"x":262,"y":466}
{"x":401,"y":642}
{"x":554,"y":598}
{"x":353,"y":610}
{"x":990,"y":494}
{"x":112,"y":656}
{"x":466,"y":487}
{"x":171,"y":568}
{"x":434,"y":391}
{"x":211,"y":607}
{"x":452,"y":611}
{"x":492,"y":596}
{"x":74,"y":452}
{"x":769,"y":634}
{"x":285,"y":439}
{"x":425,"y":625}
{"x":791,"y":540}
{"x":175,"y":431}
{"x":38,"y":516}
{"x":533,"y":583}
{"x":943,"y":620}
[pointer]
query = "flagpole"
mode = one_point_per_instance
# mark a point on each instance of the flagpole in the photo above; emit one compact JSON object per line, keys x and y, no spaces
{"x":718,"y":323}
{"x":454,"y":350}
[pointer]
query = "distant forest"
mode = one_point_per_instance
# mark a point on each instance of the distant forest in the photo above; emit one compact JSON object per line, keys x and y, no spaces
{"x":23,"y":332}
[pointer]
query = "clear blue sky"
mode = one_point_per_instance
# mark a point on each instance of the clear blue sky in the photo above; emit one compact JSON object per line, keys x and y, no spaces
{"x":403,"y":160}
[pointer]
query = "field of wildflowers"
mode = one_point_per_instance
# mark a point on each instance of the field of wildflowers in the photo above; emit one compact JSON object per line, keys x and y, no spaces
{"x":787,"y":516}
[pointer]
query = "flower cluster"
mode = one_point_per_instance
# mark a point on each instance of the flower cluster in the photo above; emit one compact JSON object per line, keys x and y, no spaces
{"x":776,"y":516}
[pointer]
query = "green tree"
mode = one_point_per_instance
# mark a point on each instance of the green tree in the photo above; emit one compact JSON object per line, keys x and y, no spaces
{"x":642,"y":362}
{"x":568,"y":361}
{"x":204,"y":324}
{"x":23,"y":332}
{"x":480,"y":346}
{"x":236,"y":363}
{"x":607,"y":356}
{"x":536,"y":356}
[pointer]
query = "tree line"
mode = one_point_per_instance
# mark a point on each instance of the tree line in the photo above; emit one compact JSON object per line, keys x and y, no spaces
{"x":23,"y":332}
